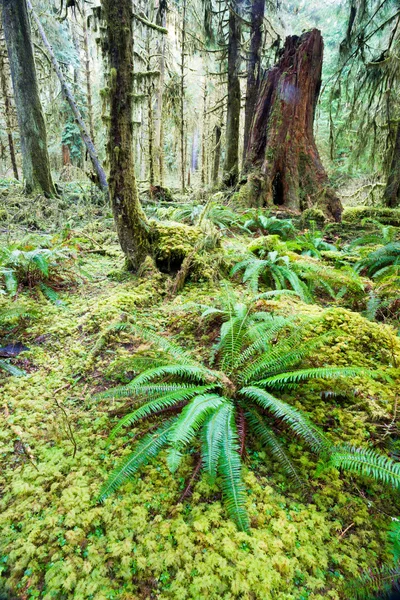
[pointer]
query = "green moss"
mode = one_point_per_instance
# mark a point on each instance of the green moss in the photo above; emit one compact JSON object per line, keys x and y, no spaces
{"x":388,"y":216}
{"x":313,"y":215}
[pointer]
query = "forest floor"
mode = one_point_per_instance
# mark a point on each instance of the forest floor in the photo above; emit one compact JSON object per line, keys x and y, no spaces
{"x":57,"y":541}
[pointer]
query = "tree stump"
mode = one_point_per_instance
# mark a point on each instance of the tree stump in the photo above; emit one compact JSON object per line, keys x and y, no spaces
{"x":283,"y":162}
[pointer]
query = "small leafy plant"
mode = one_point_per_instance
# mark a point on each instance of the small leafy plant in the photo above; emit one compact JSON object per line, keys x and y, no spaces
{"x":271,"y":225}
{"x":33,"y":267}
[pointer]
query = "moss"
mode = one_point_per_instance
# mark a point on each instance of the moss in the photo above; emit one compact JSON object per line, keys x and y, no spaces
{"x":388,"y":216}
{"x":313,"y":215}
{"x":268,"y":243}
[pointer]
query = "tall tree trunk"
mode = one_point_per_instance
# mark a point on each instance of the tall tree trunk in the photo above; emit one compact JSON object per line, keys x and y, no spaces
{"x":150,"y":125}
{"x":35,"y":158}
{"x":217,"y":154}
{"x":5,"y":92}
{"x":130,"y":220}
{"x":253,"y":67}
{"x":392,"y":190}
{"x":231,"y":166}
{"x":161,"y":20}
{"x":282,"y":151}
{"x":182,"y":98}
{"x":101,"y":176}
{"x":87,"y":74}
{"x":204,"y":137}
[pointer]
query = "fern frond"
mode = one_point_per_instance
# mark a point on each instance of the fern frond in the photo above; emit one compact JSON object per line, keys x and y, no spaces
{"x":157,"y":404}
{"x":231,"y":473}
{"x":188,"y":371}
{"x":190,"y":421}
{"x":150,"y":391}
{"x":268,"y":438}
{"x":212,"y":437}
{"x":145,"y":450}
{"x":296,"y":420}
{"x":366,"y":463}
{"x":283,"y":379}
{"x":164,"y":344}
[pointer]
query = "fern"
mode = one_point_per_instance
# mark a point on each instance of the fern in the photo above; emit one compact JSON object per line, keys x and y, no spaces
{"x":11,"y":369}
{"x":230,"y":468}
{"x":255,"y":351}
{"x":367,"y":463}
{"x":145,"y":450}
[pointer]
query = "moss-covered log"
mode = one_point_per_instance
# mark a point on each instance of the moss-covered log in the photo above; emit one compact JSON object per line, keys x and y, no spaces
{"x":282,"y":151}
{"x":117,"y":44}
{"x":35,"y":158}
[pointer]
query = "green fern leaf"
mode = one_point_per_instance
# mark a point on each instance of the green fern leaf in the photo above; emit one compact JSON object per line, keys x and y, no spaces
{"x":145,"y":450}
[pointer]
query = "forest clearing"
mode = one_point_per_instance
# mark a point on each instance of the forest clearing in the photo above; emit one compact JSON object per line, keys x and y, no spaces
{"x":199,"y":300}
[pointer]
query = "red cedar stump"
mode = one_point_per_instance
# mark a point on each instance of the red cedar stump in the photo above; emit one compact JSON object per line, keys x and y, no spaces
{"x":283,"y":163}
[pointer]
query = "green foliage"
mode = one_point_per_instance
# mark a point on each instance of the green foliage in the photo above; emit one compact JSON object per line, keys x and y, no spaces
{"x":381,"y":262}
{"x":275,"y":270}
{"x":254,"y":352}
{"x":270,"y":225}
{"x":31,"y":267}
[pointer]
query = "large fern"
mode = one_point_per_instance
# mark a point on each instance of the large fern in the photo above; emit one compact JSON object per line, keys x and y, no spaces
{"x":256,"y":355}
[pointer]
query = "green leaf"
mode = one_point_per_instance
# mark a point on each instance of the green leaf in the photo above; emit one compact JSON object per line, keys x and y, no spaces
{"x":231,"y":474}
{"x":145,"y":450}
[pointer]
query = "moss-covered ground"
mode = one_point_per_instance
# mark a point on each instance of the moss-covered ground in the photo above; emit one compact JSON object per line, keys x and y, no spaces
{"x":57,"y":542}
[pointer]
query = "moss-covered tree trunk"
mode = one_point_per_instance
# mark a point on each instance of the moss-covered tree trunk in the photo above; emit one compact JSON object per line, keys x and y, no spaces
{"x":392,"y":190}
{"x":32,"y":128}
{"x":231,"y":164}
{"x":282,"y":154}
{"x":131,"y":224}
{"x":4,"y":80}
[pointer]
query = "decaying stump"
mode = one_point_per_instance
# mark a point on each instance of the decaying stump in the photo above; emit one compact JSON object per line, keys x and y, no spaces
{"x":283,"y":164}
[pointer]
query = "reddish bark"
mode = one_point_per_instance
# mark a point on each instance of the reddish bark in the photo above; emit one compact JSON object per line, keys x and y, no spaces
{"x":282,"y":151}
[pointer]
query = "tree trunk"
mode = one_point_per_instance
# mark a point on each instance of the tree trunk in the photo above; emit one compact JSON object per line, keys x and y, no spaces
{"x":131,"y":223}
{"x":282,"y":149}
{"x":392,"y":190}
{"x":217,"y":154}
{"x":204,"y":137}
{"x":87,"y":73}
{"x":231,"y":166}
{"x":182,"y":98}
{"x":8,"y":112}
{"x":66,"y":156}
{"x":35,"y":158}
{"x":101,"y":176}
{"x":253,"y":67}
{"x":161,"y":20}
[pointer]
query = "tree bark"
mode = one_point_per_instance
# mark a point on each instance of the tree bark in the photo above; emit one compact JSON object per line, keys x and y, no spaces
{"x":392,"y":191}
{"x":161,"y":20}
{"x":217,"y":154}
{"x":35,"y":158}
{"x":87,"y":73}
{"x":231,"y":166}
{"x":182,"y":98}
{"x":101,"y":176}
{"x":253,"y":67}
{"x":287,"y":169}
{"x":4,"y":75}
{"x":117,"y":43}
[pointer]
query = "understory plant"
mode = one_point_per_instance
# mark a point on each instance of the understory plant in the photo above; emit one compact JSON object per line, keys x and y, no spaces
{"x":30,"y":267}
{"x":303,"y":276}
{"x":271,"y":225}
{"x":382,"y":262}
{"x":219,"y":411}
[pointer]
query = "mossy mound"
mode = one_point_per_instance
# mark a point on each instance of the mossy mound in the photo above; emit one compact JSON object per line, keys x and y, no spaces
{"x":173,"y":243}
{"x":389,"y":216}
